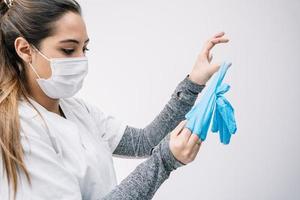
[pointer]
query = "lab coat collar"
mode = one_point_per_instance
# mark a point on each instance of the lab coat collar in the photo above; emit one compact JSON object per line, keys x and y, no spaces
{"x":27,"y":111}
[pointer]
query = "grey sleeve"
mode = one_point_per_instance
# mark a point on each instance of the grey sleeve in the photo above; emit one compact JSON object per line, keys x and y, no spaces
{"x":153,"y":142}
{"x":147,"y":177}
{"x":138,"y":142}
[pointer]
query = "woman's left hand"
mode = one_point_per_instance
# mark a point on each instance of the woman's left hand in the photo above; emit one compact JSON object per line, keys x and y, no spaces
{"x":203,"y":68}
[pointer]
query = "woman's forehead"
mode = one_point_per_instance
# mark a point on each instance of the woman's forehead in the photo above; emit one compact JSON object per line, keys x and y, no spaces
{"x":70,"y":28}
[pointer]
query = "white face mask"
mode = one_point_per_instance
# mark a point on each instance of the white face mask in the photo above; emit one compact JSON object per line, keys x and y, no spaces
{"x":67,"y":76}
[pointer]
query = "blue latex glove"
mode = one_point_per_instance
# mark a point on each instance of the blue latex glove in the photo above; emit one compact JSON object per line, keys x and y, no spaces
{"x":213,"y":105}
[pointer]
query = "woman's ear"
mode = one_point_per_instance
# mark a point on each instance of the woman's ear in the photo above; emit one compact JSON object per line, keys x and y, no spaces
{"x":23,"y":49}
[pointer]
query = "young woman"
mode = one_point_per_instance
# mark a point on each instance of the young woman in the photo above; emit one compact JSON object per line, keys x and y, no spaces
{"x":56,"y":146}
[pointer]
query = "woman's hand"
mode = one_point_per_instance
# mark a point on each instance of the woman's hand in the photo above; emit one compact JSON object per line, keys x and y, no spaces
{"x":183,"y":144}
{"x":203,"y":68}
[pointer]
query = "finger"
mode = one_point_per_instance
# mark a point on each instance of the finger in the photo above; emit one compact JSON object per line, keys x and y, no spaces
{"x":197,"y":147}
{"x":195,"y":150}
{"x":211,"y":43}
{"x":193,"y":140}
{"x":185,"y":135}
{"x":220,"y":34}
{"x":210,"y":58}
{"x":179,"y":127}
{"x":220,"y":40}
{"x":215,"y":67}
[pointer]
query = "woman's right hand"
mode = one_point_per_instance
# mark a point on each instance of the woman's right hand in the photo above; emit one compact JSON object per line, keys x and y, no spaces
{"x":183,"y":144}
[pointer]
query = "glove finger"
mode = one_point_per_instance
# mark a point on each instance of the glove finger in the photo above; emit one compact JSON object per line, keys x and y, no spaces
{"x":227,"y":114}
{"x":226,"y":135}
{"x":214,"y":127}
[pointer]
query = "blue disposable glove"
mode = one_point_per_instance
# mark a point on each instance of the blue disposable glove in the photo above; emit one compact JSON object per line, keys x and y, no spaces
{"x":213,"y":105}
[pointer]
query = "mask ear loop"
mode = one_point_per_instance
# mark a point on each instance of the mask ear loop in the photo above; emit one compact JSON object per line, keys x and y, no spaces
{"x":41,"y":53}
{"x":34,"y":70}
{"x":42,"y":56}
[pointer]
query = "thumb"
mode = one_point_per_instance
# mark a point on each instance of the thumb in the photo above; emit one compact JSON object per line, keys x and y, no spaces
{"x":214,"y":68}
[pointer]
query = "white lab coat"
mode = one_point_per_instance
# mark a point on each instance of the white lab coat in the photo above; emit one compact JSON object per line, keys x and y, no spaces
{"x":73,"y":160}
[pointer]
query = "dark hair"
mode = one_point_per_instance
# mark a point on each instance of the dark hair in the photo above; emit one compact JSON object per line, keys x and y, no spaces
{"x":34,"y":21}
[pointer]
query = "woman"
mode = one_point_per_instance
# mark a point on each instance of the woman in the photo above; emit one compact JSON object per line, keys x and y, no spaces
{"x":56,"y":146}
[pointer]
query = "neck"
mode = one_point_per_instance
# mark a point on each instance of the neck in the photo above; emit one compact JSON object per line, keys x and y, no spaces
{"x":52,"y":105}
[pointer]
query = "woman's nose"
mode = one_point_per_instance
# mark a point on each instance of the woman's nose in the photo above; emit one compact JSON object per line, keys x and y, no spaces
{"x":80,"y":54}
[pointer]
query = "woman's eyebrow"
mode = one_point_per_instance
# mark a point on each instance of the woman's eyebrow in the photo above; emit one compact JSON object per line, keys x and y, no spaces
{"x":73,"y":41}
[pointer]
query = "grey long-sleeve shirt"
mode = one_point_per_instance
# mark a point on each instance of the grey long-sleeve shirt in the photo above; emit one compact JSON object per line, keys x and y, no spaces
{"x":152,"y":142}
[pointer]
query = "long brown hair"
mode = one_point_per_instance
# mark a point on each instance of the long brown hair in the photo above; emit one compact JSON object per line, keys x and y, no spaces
{"x":32,"y":20}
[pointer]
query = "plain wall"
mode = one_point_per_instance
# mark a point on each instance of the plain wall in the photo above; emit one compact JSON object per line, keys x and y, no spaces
{"x":141,"y":50}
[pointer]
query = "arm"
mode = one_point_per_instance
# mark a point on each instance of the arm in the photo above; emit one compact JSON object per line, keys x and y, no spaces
{"x":138,"y":142}
{"x":147,"y":177}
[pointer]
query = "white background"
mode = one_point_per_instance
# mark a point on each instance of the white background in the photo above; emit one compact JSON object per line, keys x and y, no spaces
{"x":141,"y":50}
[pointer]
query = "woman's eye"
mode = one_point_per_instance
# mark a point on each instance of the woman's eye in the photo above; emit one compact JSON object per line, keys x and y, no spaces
{"x":85,"y":49}
{"x":68,"y":51}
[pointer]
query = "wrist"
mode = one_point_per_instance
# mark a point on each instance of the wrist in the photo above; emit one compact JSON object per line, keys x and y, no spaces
{"x":168,"y":159}
{"x":197,"y":79}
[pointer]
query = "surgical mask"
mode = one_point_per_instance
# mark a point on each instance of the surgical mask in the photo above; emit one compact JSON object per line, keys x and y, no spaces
{"x":67,"y":76}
